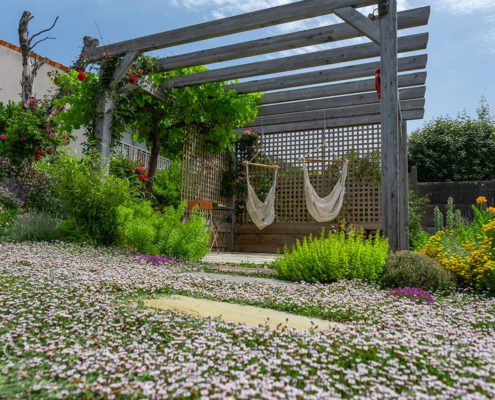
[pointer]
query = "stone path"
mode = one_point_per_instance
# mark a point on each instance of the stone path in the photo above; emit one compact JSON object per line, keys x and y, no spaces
{"x":249,"y":315}
{"x":240,"y":278}
{"x":239,"y":258}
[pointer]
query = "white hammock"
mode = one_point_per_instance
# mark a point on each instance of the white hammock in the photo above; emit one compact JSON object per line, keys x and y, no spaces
{"x":261,"y":213}
{"x":325,"y":209}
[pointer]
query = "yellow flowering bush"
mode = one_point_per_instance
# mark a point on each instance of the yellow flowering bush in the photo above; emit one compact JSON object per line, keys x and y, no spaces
{"x":468,"y":250}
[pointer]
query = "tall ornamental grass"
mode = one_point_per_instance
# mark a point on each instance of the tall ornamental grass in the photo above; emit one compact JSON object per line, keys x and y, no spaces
{"x":334,"y":256}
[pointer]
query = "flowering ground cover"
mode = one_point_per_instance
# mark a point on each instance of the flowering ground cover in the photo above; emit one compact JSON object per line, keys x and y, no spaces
{"x":71,"y":326}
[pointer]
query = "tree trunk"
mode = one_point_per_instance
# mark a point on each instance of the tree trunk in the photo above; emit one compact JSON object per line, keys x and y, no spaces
{"x":155,"y":153}
{"x":27,"y":77}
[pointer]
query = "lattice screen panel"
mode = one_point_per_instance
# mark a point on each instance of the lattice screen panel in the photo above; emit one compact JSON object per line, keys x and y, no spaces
{"x":362,"y":201}
{"x":201,"y":171}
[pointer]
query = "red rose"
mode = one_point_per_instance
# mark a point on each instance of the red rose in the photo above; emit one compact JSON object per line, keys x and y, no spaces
{"x":81,"y":75}
{"x":132,"y":79}
{"x":38,"y":154}
{"x":3,"y":136}
{"x":142,"y":178}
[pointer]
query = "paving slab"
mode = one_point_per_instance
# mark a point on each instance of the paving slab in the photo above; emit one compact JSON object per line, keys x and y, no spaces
{"x":249,"y":315}
{"x":239,"y":258}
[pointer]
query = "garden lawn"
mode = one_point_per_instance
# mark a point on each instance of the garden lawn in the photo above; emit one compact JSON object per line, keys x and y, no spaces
{"x":71,"y":325}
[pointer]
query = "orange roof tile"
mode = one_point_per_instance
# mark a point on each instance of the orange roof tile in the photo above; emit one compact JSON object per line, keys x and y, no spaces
{"x":48,"y":61}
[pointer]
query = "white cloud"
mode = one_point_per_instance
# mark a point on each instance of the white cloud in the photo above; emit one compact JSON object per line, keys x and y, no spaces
{"x":223,"y":8}
{"x":465,"y":6}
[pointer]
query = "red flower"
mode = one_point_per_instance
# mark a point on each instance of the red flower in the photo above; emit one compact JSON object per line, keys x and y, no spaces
{"x":24,"y":138}
{"x":32,"y":102}
{"x":66,"y":142}
{"x":38,"y":154}
{"x":132,"y":79}
{"x":81,"y":75}
{"x":3,"y":136}
{"x":142,"y":178}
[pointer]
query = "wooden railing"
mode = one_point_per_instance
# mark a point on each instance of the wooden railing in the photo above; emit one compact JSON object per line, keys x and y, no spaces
{"x":140,"y":155}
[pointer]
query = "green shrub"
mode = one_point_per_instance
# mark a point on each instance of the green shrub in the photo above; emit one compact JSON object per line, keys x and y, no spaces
{"x":417,"y":234}
{"x":89,"y":198}
{"x":167,"y":186}
{"x":28,"y":135}
{"x":334,"y":256}
{"x":153,"y":232}
{"x":34,"y":227}
{"x":457,"y":149}
{"x":410,"y":269}
{"x":135,"y":172}
{"x":7,"y":217}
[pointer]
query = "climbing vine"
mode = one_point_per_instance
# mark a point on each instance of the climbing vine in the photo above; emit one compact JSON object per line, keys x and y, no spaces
{"x":207,"y":109}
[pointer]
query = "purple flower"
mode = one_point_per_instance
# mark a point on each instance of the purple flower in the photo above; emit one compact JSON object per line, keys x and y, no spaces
{"x":155,"y":260}
{"x":414,"y":294}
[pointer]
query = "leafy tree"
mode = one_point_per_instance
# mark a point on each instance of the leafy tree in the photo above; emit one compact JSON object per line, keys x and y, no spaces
{"x":207,"y":109}
{"x":457,"y":149}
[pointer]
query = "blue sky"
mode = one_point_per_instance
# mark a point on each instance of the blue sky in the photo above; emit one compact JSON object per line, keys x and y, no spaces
{"x":461,"y":66}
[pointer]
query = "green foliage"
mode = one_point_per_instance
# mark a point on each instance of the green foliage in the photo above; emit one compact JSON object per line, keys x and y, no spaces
{"x":151,"y":232}
{"x":135,"y":172}
{"x":234,"y":178}
{"x":26,"y":135}
{"x":457,"y":149}
{"x":334,"y":256}
{"x":409,"y":269}
{"x":167,"y":186}
{"x":438,"y":219}
{"x":25,"y":186}
{"x":7,"y":217}
{"x":34,"y":227}
{"x":79,"y":104}
{"x":468,"y":249}
{"x":417,"y":235}
{"x":452,"y":219}
{"x":207,"y":108}
{"x":88,"y":196}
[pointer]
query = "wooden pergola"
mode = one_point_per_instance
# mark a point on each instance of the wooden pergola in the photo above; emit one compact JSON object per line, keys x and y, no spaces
{"x":326,"y":97}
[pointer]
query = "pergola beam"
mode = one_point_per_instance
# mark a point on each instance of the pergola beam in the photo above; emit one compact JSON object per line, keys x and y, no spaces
{"x":332,"y":33}
{"x":315,"y":59}
{"x":331,"y":113}
{"x":123,"y":67}
{"x":334,"y":102}
{"x":226,"y":26}
{"x":152,"y":90}
{"x":360,"y":22}
{"x":359,"y":86}
{"x":409,"y":63}
{"x":332,"y":123}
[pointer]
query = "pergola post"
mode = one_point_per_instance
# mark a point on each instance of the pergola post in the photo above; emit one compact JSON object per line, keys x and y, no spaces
{"x":103,"y":128}
{"x":403,"y":190}
{"x":389,"y":122}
